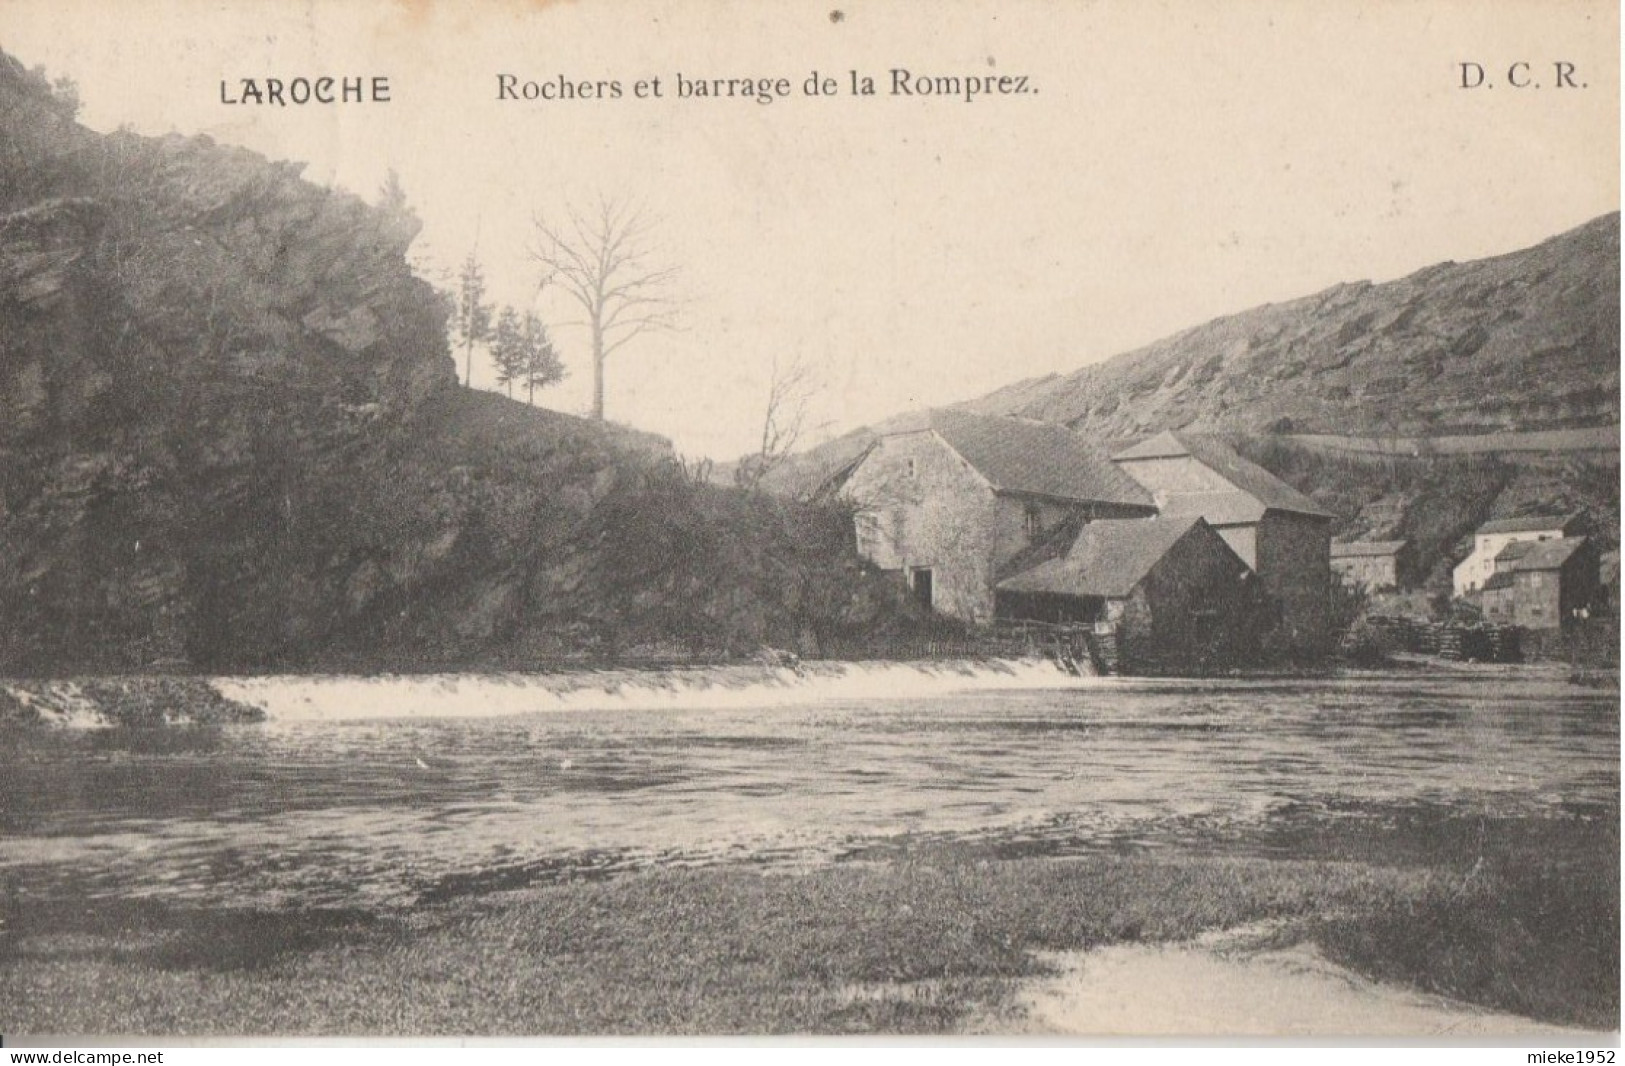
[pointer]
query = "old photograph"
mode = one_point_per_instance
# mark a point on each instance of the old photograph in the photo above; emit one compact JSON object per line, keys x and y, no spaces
{"x":867,"y":519}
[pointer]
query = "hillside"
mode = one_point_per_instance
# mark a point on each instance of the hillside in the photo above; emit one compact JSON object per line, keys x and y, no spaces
{"x":1416,"y":408}
{"x":1524,"y":341}
{"x":231,"y":438}
{"x":1528,"y":340}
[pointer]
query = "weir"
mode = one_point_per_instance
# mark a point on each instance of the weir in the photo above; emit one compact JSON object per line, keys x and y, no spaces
{"x":336,"y":698}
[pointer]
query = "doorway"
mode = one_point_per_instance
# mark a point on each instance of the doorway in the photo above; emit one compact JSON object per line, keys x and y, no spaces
{"x":920,"y":582}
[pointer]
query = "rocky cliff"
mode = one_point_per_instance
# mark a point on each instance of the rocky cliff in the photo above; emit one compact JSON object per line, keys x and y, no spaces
{"x":1520,"y":341}
{"x":231,"y":438}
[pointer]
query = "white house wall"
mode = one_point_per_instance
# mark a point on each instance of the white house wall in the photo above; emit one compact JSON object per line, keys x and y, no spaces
{"x":1471,"y":573}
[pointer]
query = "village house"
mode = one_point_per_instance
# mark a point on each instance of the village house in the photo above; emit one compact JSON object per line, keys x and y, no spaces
{"x":1541,"y":584}
{"x":1371,"y":564}
{"x":1283,"y":535}
{"x":986,"y":517}
{"x":948,"y":499}
{"x":1472,"y":572}
{"x":1176,"y":595}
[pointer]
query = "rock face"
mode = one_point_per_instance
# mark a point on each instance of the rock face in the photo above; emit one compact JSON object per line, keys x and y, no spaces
{"x":231,"y":438}
{"x":1521,"y":341}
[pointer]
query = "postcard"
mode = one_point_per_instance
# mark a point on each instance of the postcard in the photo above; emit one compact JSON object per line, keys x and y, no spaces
{"x":714,"y":518}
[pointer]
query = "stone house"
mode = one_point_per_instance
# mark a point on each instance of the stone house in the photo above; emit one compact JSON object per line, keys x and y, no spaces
{"x":1541,"y":584}
{"x":1276,"y":530}
{"x":1176,"y":594}
{"x":1472,"y":572}
{"x":1372,"y":564}
{"x":948,"y":499}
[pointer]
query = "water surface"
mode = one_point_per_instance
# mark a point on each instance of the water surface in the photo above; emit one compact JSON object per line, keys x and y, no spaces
{"x":336,"y":812}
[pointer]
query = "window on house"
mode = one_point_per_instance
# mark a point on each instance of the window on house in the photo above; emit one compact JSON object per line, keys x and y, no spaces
{"x":913,"y":467}
{"x":868,"y":532}
{"x":1032,"y":520}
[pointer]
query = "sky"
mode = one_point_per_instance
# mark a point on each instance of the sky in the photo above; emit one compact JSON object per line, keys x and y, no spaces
{"x":1173,"y":162}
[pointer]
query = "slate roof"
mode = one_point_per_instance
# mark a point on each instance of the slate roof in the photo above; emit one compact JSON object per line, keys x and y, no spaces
{"x":1108,"y":558}
{"x":1020,"y":456}
{"x":1355,"y":549}
{"x":1549,"y":554}
{"x":1268,"y":492}
{"x":1165,"y":445}
{"x":1529,"y":524}
{"x":1511,"y":553}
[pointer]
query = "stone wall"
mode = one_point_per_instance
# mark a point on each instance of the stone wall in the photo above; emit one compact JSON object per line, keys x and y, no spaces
{"x":1294,"y":564}
{"x":1199,"y":608}
{"x":922,"y":506}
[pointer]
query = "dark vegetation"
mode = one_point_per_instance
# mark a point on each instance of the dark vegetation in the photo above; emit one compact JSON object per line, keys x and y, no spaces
{"x":231,"y":439}
{"x":128,"y":702}
{"x":1538,"y":941}
{"x":1436,"y":502}
{"x":927,"y":943}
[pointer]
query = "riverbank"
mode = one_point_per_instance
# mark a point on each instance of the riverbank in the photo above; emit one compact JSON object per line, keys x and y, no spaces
{"x":943,"y":941}
{"x":1222,"y":985}
{"x":133,"y":702}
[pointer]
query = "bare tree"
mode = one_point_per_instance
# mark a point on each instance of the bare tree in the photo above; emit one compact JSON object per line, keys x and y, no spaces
{"x":605,"y":261}
{"x":789,"y":393}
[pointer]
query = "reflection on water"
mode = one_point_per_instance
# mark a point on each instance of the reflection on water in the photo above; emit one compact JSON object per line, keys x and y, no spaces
{"x":378,"y":811}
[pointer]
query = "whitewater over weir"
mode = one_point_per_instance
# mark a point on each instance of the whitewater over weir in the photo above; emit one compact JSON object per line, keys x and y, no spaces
{"x":350,"y":698}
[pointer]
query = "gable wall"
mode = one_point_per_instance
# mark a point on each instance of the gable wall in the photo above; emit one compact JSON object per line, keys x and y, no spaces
{"x":941,"y":516}
{"x":1174,"y":475}
{"x":1198,"y":608}
{"x":1243,"y":540}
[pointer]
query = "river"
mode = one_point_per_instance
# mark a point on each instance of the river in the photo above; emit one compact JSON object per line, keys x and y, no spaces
{"x":327,"y":808}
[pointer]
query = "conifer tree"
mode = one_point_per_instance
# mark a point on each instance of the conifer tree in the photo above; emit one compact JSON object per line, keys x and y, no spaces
{"x":473,"y":318}
{"x":541,"y":365}
{"x":508,"y":349}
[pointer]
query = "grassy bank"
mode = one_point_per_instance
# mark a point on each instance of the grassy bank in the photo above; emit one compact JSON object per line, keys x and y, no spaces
{"x":924,"y":943}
